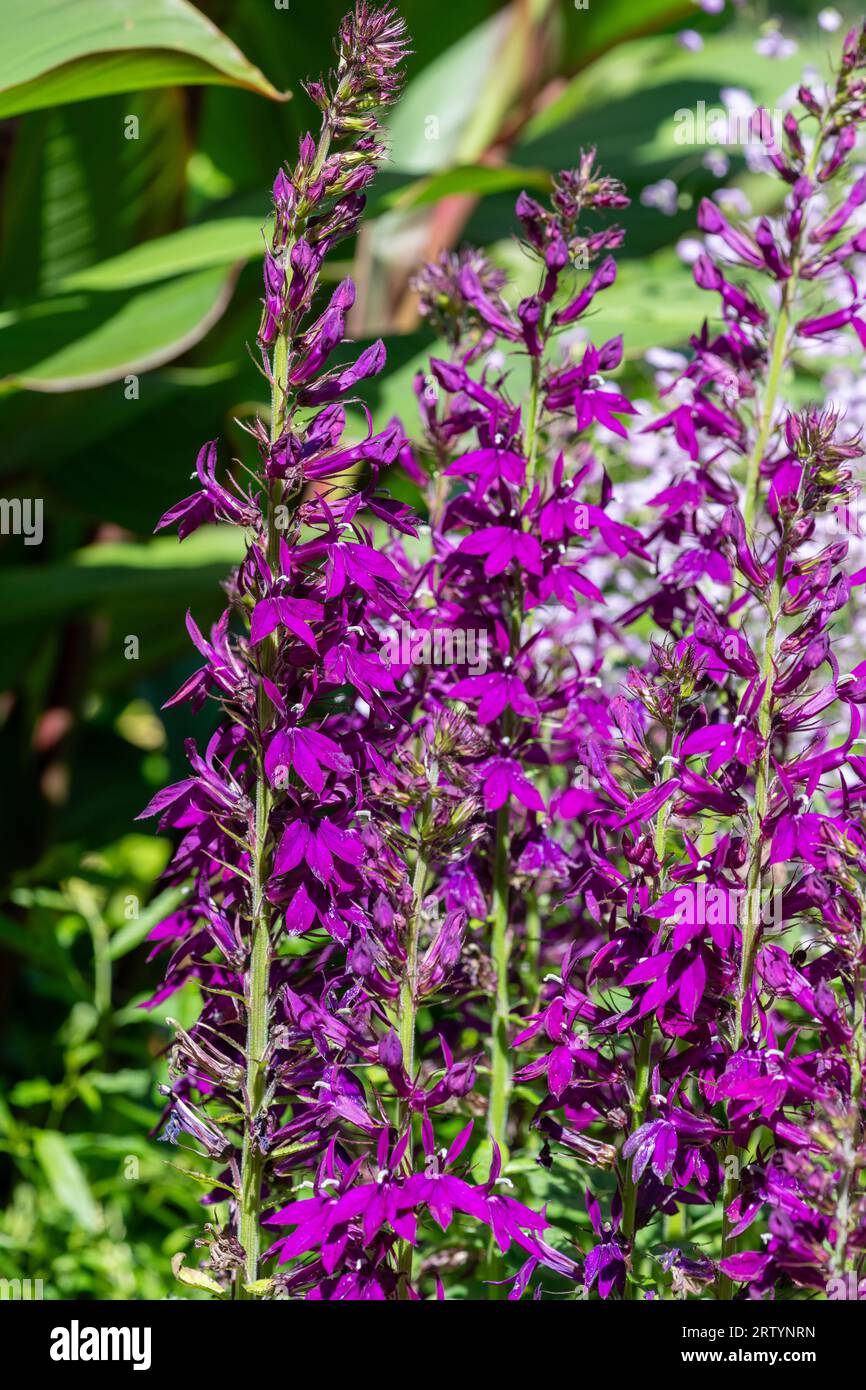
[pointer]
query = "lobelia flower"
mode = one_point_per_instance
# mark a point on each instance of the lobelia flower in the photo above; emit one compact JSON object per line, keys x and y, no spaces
{"x":720,"y":806}
{"x":509,"y":539}
{"x":285,"y":830}
{"x":613,"y":859}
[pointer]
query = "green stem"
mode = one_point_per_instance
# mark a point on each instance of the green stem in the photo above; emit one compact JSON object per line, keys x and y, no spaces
{"x":408,"y":988}
{"x":258,"y":1020}
{"x":852,"y":1137}
{"x":638,"y":1112}
{"x":643,"y":1064}
{"x":777,"y":361}
{"x":101,"y":964}
{"x":754,"y":874}
{"x":532,"y":421}
{"x":752,"y":922}
{"x":532,"y":956}
{"x":500,"y":1061}
{"x":258,"y":975}
{"x":858,"y":1045}
{"x":258,"y":1002}
{"x":407,"y":1018}
{"x":778,"y":353}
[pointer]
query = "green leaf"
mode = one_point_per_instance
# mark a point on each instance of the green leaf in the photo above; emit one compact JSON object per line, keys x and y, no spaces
{"x":131,"y":934}
{"x":437,"y":108}
{"x":259,"y":1287}
{"x":202,"y":1179}
{"x":161,"y":577}
{"x":628,"y":102}
{"x":480,"y":179}
{"x":87,"y":339}
{"x":195,"y":1278}
{"x":597,"y":27}
{"x":126,"y":1081}
{"x":33,"y":942}
{"x":216,"y":243}
{"x":55,"y":52}
{"x":33,"y":1092}
{"x":76,"y":192}
{"x":67,"y":1179}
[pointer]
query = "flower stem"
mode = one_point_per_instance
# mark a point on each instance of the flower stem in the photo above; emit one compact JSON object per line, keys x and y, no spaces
{"x":532,"y":424}
{"x":258,"y":1019}
{"x":752,"y":920}
{"x":500,"y":1063}
{"x":752,"y":924}
{"x":532,"y":953}
{"x":779,"y":350}
{"x":407,"y":1017}
{"x":777,"y":361}
{"x":851,"y":1140}
{"x":643,"y":1065}
{"x":408,"y":1006}
{"x":638,"y":1111}
{"x":258,"y":974}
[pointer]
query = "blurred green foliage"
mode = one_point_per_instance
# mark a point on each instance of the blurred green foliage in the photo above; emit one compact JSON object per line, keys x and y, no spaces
{"x":135,"y":165}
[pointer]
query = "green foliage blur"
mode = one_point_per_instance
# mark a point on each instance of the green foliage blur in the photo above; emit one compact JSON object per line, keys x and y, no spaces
{"x":133,"y":196}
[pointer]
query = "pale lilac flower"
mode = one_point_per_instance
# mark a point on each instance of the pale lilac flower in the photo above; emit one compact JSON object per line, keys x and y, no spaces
{"x":690,"y":40}
{"x":717,"y":162}
{"x":775,"y":44}
{"x":662,"y":196}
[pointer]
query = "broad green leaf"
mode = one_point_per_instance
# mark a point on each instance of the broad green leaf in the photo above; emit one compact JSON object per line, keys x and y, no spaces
{"x":55,"y":52}
{"x":216,"y":243}
{"x":593,"y":27}
{"x":455,"y":106}
{"x":161,"y":574}
{"x":87,"y":339}
{"x":67,"y":1178}
{"x":639,"y":107}
{"x":480,"y":179}
{"x":628,"y":102}
{"x":77,"y":192}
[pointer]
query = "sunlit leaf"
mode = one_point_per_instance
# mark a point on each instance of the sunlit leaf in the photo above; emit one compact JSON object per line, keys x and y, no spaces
{"x":217,"y":243}
{"x":87,"y":339}
{"x":54,"y":52}
{"x":67,"y":1178}
{"x":195,"y":1278}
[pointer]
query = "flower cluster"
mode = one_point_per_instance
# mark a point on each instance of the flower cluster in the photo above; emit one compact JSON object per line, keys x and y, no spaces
{"x":600,"y":902}
{"x":713,"y":1009}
